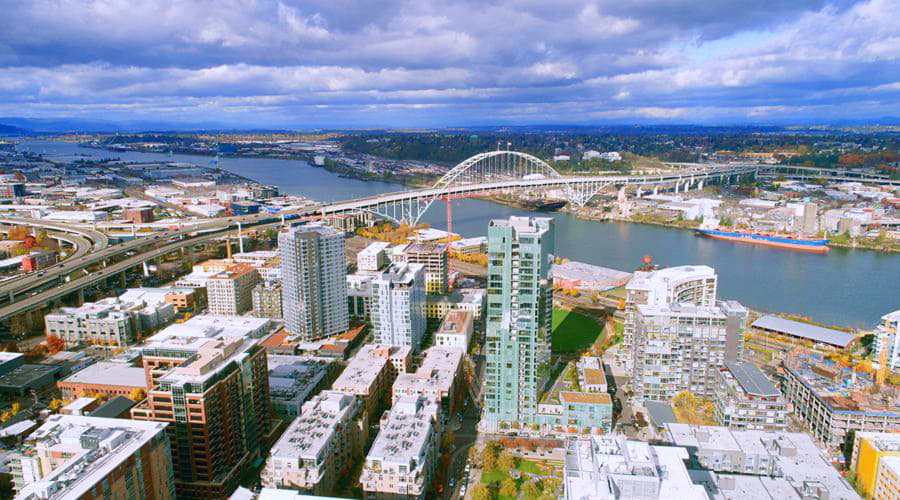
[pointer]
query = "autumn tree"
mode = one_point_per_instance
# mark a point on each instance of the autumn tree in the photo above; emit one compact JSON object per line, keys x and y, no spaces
{"x":531,"y":490}
{"x":489,"y":458}
{"x":481,"y":492}
{"x":507,"y":461}
{"x":16,"y":408}
{"x":55,"y":344}
{"x":693,"y":410}
{"x":55,"y":404}
{"x":137,"y":395}
{"x":475,"y":457}
{"x":508,"y":488}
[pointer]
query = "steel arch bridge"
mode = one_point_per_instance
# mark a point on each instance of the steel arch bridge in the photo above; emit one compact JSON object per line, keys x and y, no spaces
{"x":505,"y":171}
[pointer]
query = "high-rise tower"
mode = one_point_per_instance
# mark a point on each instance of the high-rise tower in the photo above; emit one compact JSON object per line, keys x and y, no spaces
{"x":520,"y":302}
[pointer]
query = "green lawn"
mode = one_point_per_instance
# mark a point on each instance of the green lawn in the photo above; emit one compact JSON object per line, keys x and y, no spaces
{"x":573,"y":332}
{"x":529,"y":467}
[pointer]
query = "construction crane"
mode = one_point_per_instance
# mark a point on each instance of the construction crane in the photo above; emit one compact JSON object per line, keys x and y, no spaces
{"x":883,"y":369}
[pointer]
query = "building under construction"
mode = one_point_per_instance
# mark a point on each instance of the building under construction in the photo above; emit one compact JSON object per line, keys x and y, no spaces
{"x":835,"y":401}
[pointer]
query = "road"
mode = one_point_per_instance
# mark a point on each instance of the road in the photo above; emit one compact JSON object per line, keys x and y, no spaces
{"x":466,"y":436}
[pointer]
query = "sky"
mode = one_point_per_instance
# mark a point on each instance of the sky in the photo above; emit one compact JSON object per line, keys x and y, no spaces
{"x":444,"y":63}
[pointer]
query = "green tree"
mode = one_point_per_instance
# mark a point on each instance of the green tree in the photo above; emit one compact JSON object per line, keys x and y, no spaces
{"x":508,"y":488}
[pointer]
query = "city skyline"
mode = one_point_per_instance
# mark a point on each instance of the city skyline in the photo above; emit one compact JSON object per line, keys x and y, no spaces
{"x":422,"y":64}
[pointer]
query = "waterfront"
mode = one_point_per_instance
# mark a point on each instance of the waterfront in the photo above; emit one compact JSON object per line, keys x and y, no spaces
{"x":842,"y":287}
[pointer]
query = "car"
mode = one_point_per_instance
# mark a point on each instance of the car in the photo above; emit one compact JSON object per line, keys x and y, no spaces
{"x":41,"y":273}
{"x":452,"y":482}
{"x":512,"y":434}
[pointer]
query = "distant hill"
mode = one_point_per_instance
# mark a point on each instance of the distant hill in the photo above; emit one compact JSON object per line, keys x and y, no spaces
{"x":10,"y":130}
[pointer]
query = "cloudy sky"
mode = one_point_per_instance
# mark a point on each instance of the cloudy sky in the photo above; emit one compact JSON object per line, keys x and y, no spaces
{"x":342,"y":63}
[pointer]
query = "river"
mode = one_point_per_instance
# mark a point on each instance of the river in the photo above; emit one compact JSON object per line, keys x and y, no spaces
{"x":842,"y":287}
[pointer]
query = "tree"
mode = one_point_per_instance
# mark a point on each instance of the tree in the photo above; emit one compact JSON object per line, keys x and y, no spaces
{"x":531,"y":490}
{"x":475,"y":457}
{"x":690,"y":409}
{"x":16,"y":408}
{"x":137,"y":395}
{"x":508,"y":488}
{"x":11,"y":346}
{"x":550,"y":485}
{"x":507,"y":461}
{"x":5,"y":416}
{"x":55,"y":404}
{"x":55,"y":344}
{"x":447,"y":440}
{"x":481,"y":492}
{"x":489,"y":458}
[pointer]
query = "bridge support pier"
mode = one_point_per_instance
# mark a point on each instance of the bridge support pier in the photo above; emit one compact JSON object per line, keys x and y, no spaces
{"x":146,"y":269}
{"x":133,"y":231}
{"x":80,"y":297}
{"x":123,"y":280}
{"x":655,"y":190}
{"x":240,"y":239}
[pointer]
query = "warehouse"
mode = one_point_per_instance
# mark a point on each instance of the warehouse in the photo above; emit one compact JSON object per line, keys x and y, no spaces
{"x":805,"y":331}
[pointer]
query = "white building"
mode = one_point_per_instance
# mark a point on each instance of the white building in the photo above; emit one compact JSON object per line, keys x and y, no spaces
{"x":611,"y":467}
{"x":314,"y":277}
{"x":373,"y":257}
{"x":398,"y":305}
{"x":456,"y":330}
{"x":111,"y":321}
{"x":888,"y":335}
{"x":689,"y":284}
{"x":403,"y":457}
{"x":436,"y":379}
{"x":317,"y":446}
{"x":359,"y":295}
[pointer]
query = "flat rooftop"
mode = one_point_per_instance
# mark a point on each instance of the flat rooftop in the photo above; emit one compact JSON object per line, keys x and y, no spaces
{"x":404,"y":432}
{"x":799,"y":461}
{"x":109,"y":373}
{"x":804,"y":330}
{"x":455,"y":322}
{"x":119,"y":440}
{"x":751,"y":379}
{"x":588,"y":272}
{"x":26,"y":374}
{"x":315,"y":427}
{"x":840,"y":389}
{"x":438,"y":371}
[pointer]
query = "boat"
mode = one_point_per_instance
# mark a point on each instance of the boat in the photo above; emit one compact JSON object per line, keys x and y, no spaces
{"x":765,"y":238}
{"x":543,"y":205}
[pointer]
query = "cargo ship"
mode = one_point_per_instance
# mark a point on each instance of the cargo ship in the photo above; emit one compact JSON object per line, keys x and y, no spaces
{"x":763,"y":238}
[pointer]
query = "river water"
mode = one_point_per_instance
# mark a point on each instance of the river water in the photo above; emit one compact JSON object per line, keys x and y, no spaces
{"x":842,"y":287}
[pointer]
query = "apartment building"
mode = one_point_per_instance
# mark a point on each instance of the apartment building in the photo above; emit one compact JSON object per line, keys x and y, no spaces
{"x":473,"y":300}
{"x":398,"y":305}
{"x":211,"y":386}
{"x":576,"y":413}
{"x":74,"y":457}
{"x":436,"y":379}
{"x":267,"y":300}
{"x":746,"y":399}
{"x":314,"y":276}
{"x":401,"y":461}
{"x":455,"y":331}
{"x":373,"y":257}
{"x":682,"y":284}
{"x":834,"y":402}
{"x":519,"y":304}
{"x":359,"y":295}
{"x":611,"y":467}
{"x":230,"y":292}
{"x":294,"y":379}
{"x":113,"y":321}
{"x":682,"y":346}
{"x":745,"y":464}
{"x":434,"y":257}
{"x":874,"y":459}
{"x":370,"y":374}
{"x":887,"y":336}
{"x":591,"y":376}
{"x":319,"y":447}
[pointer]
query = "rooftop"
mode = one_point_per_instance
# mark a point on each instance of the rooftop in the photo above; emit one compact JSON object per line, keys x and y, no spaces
{"x":579,"y":270}
{"x":26,"y":374}
{"x":97,"y":447}
{"x":525,"y":225}
{"x":596,"y":398}
{"x":798,"y":460}
{"x":292,"y":378}
{"x":438,"y":371}
{"x":660,"y":412}
{"x":455,"y":322}
{"x":669,"y":275}
{"x":404,"y":432}
{"x":308,"y":434}
{"x":804,"y":330}
{"x":109,"y":373}
{"x":234,"y":271}
{"x":751,"y":379}
{"x":612,"y":467}
{"x":113,"y":408}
